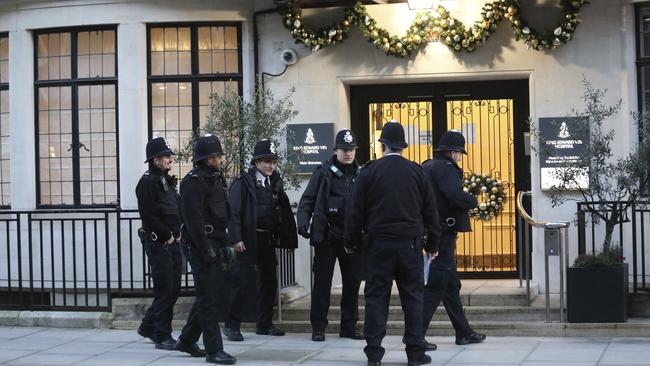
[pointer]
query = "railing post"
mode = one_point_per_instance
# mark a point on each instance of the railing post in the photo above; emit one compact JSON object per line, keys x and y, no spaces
{"x":582,"y":240}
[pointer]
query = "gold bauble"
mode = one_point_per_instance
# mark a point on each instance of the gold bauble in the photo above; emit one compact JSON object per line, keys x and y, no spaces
{"x":465,"y":43}
{"x":399,"y":46}
{"x":448,"y":41}
{"x":417,"y":39}
{"x":465,"y":190}
{"x":512,"y":10}
{"x":385,"y":47}
{"x":374,"y":34}
{"x":484,"y":189}
{"x":482,"y":207}
{"x":346,"y":23}
{"x":443,"y":22}
{"x":495,"y":190}
{"x":486,"y":24}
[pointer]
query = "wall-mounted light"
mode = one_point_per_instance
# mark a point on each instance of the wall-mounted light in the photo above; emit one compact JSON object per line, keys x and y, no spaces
{"x":420,"y":4}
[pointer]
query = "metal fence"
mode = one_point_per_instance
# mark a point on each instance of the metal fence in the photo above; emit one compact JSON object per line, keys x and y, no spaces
{"x":631,"y":234}
{"x":78,"y":260}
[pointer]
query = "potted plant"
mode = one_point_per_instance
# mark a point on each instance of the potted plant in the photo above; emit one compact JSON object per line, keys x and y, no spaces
{"x":597,"y":287}
{"x":607,"y":185}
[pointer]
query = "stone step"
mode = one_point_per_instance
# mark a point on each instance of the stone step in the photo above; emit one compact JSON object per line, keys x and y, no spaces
{"x":473,"y":313}
{"x":633,"y":328}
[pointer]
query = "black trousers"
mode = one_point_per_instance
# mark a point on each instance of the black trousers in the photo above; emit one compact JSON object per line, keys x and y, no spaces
{"x":265,"y":263}
{"x":402,"y":261}
{"x":165,"y":262}
{"x":203,"y":317}
{"x":444,"y":285}
{"x":351,"y":266}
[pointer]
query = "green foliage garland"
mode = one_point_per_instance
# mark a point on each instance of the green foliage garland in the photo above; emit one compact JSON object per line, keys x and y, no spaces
{"x":490,"y":194}
{"x":438,"y":26}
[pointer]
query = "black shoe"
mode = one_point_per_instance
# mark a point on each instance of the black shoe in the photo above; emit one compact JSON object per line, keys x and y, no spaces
{"x":167,"y":345}
{"x":233,"y":334}
{"x":428,"y":346}
{"x":190,"y":348}
{"x":145,"y":333}
{"x":425,"y":359}
{"x":221,"y":358}
{"x":273,"y":331}
{"x":374,"y":363}
{"x":355,"y":334}
{"x":471,"y":338}
{"x":318,"y":336}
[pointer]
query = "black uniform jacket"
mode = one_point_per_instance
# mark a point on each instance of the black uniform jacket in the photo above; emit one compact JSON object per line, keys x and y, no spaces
{"x":204,"y":201}
{"x":243,"y":203}
{"x":158,"y":203}
{"x":392,"y":200}
{"x":313,"y":203}
{"x":446,"y":178}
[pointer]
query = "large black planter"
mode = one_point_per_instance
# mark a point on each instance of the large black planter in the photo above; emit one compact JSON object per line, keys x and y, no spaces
{"x":597,"y":294}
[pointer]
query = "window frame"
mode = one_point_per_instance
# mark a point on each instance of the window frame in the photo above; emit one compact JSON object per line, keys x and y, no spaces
{"x":5,"y":87}
{"x":194,"y":78}
{"x":73,"y":82}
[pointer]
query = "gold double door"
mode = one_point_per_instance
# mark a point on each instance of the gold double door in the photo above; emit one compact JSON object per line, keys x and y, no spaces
{"x":490,"y":129}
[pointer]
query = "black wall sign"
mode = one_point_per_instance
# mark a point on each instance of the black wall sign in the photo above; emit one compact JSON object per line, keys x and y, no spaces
{"x":562,"y":140}
{"x":314,"y":141}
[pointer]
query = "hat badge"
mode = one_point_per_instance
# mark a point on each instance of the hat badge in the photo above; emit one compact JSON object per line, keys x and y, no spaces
{"x":272,"y":147}
{"x":348,"y":137}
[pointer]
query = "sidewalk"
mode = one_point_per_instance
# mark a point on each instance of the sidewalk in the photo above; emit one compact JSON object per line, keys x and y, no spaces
{"x":63,"y":346}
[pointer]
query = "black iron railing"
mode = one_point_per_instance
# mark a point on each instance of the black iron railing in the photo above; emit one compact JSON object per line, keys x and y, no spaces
{"x":78,"y":260}
{"x":632,"y":231}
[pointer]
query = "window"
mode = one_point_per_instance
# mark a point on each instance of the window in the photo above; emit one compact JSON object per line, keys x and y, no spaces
{"x":76,"y":120}
{"x":643,"y":56}
{"x":5,"y":143}
{"x":187,"y":64}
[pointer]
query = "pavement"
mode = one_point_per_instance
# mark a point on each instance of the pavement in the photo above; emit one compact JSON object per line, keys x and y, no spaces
{"x":66,"y":346}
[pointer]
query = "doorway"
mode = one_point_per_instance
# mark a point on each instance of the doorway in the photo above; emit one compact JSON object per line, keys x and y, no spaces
{"x":492,"y":115}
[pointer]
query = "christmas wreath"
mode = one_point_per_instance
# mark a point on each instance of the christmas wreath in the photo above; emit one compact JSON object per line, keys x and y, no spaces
{"x":436,"y":26}
{"x":490,"y":193}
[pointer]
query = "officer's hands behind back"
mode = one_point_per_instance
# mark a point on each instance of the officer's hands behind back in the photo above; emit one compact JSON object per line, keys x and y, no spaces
{"x":304,"y":232}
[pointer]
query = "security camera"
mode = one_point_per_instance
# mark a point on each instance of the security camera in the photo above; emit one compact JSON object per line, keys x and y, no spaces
{"x":289,"y":56}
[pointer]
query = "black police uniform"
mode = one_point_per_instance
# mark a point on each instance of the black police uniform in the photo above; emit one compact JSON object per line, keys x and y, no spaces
{"x":160,"y":215}
{"x":443,"y":283}
{"x":393,"y":203}
{"x":262,"y":219}
{"x":323,"y":203}
{"x":205,"y":209}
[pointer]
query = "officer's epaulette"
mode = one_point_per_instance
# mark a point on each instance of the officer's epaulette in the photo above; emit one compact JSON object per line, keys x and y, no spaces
{"x":194,"y":173}
{"x":367,"y":163}
{"x":146,"y":173}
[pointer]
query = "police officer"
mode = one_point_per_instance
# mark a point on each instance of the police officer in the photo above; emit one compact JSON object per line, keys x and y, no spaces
{"x":453,"y":205}
{"x":160,"y":215}
{"x":262,"y":220}
{"x":205,"y":209}
{"x":323,"y":203}
{"x":393,"y":204}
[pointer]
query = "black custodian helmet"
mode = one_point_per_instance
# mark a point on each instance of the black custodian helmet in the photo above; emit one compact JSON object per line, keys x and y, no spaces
{"x":392,"y":135}
{"x":158,"y":147}
{"x":265,"y":149}
{"x":452,"y":140}
{"x":345,"y":139}
{"x":207,"y":146}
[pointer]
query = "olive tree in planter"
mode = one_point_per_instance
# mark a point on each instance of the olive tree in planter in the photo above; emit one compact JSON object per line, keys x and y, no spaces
{"x":597,"y":283}
{"x":240,"y":123}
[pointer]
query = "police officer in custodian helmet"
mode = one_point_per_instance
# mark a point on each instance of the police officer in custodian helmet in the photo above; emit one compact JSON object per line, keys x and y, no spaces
{"x":262,"y":220}
{"x":161,"y":222}
{"x":323,"y":204}
{"x":443,"y":283}
{"x":205,"y":209}
{"x":393,"y":204}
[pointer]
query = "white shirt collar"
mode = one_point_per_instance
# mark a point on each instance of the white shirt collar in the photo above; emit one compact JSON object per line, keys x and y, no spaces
{"x":389,"y":154}
{"x":260,"y":177}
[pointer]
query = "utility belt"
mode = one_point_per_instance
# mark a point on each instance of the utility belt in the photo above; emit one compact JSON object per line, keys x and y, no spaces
{"x":147,"y":235}
{"x":448,"y":224}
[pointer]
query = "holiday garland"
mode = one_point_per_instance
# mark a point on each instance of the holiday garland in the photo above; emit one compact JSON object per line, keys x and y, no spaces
{"x":434,"y":27}
{"x":490,"y":193}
